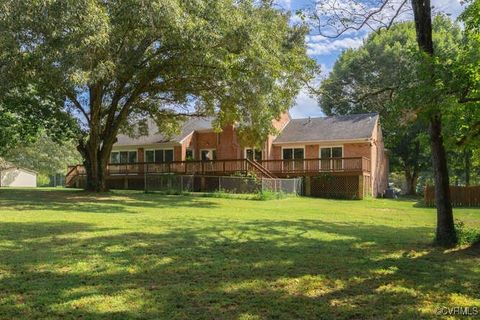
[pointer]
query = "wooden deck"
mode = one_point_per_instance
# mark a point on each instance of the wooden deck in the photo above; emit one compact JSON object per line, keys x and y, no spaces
{"x":264,"y":168}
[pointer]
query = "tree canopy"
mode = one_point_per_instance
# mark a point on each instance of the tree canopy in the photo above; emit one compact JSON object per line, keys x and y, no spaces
{"x":46,"y":156}
{"x":386,"y":75}
{"x":113,"y":64}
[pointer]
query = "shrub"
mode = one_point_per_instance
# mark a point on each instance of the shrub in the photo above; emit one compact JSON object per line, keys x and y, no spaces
{"x":466,"y":236}
{"x":263,"y":195}
{"x":43,"y":180}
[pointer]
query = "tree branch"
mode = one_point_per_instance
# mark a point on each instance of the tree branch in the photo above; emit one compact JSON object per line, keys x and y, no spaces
{"x":78,"y":105}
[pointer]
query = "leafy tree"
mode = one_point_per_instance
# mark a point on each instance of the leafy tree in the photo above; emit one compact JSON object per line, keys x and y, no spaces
{"x":24,"y":115}
{"x":24,"y":112}
{"x":45,"y":155}
{"x":462,"y":148}
{"x":439,"y":80}
{"x":115,"y":63}
{"x":373,"y":78}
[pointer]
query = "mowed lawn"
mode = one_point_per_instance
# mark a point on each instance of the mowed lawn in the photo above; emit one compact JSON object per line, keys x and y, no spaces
{"x":126,"y":255}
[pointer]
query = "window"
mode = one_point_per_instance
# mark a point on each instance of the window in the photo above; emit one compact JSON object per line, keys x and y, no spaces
{"x":253,"y":154}
{"x":333,"y":152}
{"x":167,"y":155}
{"x":123,"y":157}
{"x":208,"y":154}
{"x":132,"y":156}
{"x":159,"y":155}
{"x":149,"y":156}
{"x":189,"y":154}
{"x":114,"y":157}
{"x":330,"y":155}
{"x":293,"y":153}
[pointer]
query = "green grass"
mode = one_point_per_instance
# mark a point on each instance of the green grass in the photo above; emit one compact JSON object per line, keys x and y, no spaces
{"x":69,"y":254}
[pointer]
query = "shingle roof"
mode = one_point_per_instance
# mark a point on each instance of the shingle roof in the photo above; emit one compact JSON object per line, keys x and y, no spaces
{"x":4,"y":165}
{"x":335,"y":128}
{"x":192,"y":124}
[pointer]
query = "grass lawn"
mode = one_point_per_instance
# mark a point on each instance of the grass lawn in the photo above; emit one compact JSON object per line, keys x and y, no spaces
{"x":69,"y":254}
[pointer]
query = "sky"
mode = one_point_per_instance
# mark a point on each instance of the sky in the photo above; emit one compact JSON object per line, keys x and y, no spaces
{"x":325,"y":51}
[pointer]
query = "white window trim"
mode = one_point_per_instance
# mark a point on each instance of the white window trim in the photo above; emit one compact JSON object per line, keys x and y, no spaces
{"x":293,"y":154}
{"x":294,"y":147}
{"x":193,"y":153}
{"x":331,"y":159}
{"x":153,"y":149}
{"x":320,"y":147}
{"x":249,"y":148}
{"x":128,"y":151}
{"x":208,"y":149}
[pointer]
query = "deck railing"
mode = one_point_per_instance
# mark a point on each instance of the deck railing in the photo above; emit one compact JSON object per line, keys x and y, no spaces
{"x":265,"y":168}
{"x":360,"y":164}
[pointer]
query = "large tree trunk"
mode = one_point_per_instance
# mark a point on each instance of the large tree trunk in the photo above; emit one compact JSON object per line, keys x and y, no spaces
{"x":412,"y":172}
{"x":446,"y":234}
{"x":95,"y":163}
{"x":411,"y":179}
{"x":96,"y":174}
{"x":96,"y":150}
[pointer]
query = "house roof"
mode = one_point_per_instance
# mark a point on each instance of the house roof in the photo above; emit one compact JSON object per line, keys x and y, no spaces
{"x":5,"y":165}
{"x":154,"y":137}
{"x":335,"y":128}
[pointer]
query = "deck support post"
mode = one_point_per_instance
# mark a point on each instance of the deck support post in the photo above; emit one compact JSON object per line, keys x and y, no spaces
{"x":361,"y":191}
{"x":308,"y":186}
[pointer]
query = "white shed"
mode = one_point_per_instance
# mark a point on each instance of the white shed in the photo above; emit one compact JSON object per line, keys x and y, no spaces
{"x":13,"y":176}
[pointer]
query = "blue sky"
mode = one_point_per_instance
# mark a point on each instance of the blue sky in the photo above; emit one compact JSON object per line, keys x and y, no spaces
{"x":325,"y":51}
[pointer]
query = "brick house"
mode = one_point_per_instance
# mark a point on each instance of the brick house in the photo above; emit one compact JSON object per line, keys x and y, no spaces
{"x":350,"y":145}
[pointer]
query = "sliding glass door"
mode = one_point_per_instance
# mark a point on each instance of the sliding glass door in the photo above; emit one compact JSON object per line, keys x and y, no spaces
{"x":293,"y":159}
{"x":331,"y":158}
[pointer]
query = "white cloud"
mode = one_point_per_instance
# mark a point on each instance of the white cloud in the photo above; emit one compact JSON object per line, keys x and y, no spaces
{"x":305,"y":106}
{"x":325,"y":71}
{"x":283,"y":4}
{"x":450,"y":7}
{"x":326,"y":47}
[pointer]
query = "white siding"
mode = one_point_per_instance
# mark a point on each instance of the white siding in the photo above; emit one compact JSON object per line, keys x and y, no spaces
{"x":17,"y":178}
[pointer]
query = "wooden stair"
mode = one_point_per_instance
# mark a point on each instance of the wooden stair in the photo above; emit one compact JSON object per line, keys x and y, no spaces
{"x":259,"y":169}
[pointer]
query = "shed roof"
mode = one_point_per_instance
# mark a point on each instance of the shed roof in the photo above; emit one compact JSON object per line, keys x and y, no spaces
{"x":5,"y":165}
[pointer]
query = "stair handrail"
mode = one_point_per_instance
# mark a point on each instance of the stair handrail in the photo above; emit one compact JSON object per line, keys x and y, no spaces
{"x":260,"y":168}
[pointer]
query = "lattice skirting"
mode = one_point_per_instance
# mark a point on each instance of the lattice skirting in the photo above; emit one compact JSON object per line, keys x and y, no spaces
{"x":339,"y":187}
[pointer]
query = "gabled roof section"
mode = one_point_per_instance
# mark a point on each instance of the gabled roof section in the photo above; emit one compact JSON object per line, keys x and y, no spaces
{"x":154,"y":137}
{"x":5,"y":165}
{"x":335,"y":128}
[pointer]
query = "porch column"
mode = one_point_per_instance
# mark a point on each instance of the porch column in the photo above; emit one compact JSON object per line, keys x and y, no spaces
{"x":308,"y":186}
{"x":361,"y":191}
{"x":140,"y":158}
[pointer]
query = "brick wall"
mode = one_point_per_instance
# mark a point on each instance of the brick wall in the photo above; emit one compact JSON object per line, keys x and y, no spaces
{"x":205,"y":140}
{"x":312,"y":151}
{"x":271,"y":151}
{"x":228,"y":146}
{"x":357,"y":150}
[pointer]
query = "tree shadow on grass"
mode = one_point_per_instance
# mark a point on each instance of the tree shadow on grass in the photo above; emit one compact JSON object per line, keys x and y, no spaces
{"x":70,"y":200}
{"x":216,"y":269}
